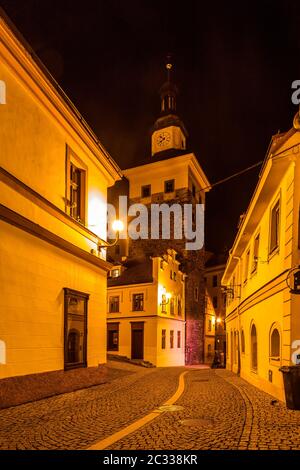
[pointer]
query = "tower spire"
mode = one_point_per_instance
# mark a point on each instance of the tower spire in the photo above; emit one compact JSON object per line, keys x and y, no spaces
{"x":168,"y":92}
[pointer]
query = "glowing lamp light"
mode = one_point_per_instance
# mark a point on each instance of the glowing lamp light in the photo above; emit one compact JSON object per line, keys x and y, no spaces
{"x":219,"y":320}
{"x":117,"y":226}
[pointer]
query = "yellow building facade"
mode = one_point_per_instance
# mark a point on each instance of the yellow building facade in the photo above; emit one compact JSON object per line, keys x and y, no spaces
{"x":210,"y":330}
{"x":146,"y":310}
{"x":54,"y":175}
{"x":262,"y":315}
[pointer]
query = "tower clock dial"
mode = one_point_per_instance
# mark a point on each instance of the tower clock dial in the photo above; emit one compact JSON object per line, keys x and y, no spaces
{"x":163,"y":139}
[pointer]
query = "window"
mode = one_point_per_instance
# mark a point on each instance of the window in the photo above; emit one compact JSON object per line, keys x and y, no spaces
{"x":113,"y":336}
{"x":174,"y":276}
{"x":76,"y":192}
{"x":163,"y":339}
{"x":215,"y":281}
{"x":243,"y":341}
{"x":114,"y":304}
{"x":115,"y":272}
{"x":172,"y":339}
{"x":169,"y":186}
{"x":75,"y":328}
{"x":179,"y":306}
{"x":161,"y":264}
{"x":209,"y":325}
{"x":146,"y":191}
{"x":255,"y":253}
{"x":215,"y":302}
{"x":253,"y":348}
{"x":172,"y":312}
{"x":246,"y":268}
{"x":196,"y":294}
{"x":137,"y":302}
{"x":163,"y":303}
{"x":274,"y":232}
{"x":171,"y":274}
{"x":178,"y":339}
{"x":275,"y":344}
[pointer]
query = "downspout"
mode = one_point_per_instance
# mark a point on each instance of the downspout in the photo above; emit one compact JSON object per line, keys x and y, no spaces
{"x":239,"y":324}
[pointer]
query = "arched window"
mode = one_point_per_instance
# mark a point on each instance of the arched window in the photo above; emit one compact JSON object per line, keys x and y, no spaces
{"x":275,"y":343}
{"x":2,"y":352}
{"x":243,"y":341}
{"x":253,"y":347}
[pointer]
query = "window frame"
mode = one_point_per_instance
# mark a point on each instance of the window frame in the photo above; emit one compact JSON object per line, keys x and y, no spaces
{"x":73,"y":160}
{"x":171,"y":339}
{"x":109,"y":304}
{"x":85,"y":297}
{"x":172,"y":181}
{"x":117,"y":330}
{"x":140,"y":294}
{"x":274,"y":249}
{"x":163,"y":338}
{"x":146,"y":187}
{"x":275,"y":360}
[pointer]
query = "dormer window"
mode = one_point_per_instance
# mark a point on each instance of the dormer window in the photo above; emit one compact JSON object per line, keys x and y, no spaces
{"x":115,"y":272}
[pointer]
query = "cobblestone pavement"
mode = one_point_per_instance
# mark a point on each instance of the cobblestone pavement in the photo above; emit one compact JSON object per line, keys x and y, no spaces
{"x":78,"y":419}
{"x":219,"y":411}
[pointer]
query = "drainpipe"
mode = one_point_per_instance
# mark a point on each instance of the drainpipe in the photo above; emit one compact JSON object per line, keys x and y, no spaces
{"x":239,"y":323}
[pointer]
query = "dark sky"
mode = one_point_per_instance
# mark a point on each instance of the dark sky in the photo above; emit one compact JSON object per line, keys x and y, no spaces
{"x":234,"y":65}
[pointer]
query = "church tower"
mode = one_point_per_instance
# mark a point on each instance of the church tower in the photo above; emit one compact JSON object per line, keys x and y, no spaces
{"x":172,"y":174}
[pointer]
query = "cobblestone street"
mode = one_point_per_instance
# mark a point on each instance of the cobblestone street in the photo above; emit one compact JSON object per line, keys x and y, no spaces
{"x":218,"y":410}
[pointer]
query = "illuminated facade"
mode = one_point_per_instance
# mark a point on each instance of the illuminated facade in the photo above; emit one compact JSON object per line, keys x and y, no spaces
{"x":54,"y":176}
{"x":214,"y":270}
{"x":262,"y":316}
{"x":146,"y":314}
{"x":210,"y":330}
{"x":172,"y":175}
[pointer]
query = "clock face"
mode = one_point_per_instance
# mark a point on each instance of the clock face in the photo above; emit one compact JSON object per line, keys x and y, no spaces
{"x":163,"y":139}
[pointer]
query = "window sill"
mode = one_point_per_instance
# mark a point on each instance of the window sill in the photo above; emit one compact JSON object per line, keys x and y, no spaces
{"x":273,"y":253}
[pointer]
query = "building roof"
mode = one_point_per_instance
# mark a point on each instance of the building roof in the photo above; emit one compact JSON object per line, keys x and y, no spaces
{"x":135,"y":271}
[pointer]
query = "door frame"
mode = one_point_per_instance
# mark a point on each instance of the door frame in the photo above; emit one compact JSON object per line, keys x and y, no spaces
{"x":138,"y":326}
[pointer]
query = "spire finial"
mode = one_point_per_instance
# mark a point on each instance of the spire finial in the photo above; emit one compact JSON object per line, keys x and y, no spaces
{"x":169,"y":66}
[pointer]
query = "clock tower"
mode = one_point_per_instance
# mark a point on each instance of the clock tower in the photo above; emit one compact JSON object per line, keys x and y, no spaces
{"x":168,"y":131}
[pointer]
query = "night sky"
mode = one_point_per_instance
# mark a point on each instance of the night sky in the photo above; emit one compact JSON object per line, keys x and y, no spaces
{"x":234,"y":63}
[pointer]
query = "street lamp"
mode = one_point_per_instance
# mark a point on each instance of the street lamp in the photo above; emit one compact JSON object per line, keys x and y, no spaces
{"x":117,"y":227}
{"x":294,"y":283}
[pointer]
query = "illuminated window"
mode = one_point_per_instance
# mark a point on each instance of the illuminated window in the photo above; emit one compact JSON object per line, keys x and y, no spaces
{"x":274,"y":231}
{"x":114,"y":304}
{"x":115,"y":272}
{"x":172,"y":339}
{"x":137,"y":302}
{"x":169,"y":186}
{"x":146,"y":190}
{"x":178,"y":339}
{"x":163,"y":303}
{"x":113,"y":336}
{"x":163,"y":339}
